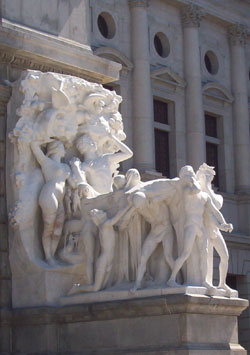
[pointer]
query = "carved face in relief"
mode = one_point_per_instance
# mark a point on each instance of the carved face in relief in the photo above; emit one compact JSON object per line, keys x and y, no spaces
{"x":85,"y":144}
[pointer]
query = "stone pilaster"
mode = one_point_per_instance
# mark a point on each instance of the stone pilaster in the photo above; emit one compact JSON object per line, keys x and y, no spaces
{"x":143,"y":135}
{"x":191,"y":18}
{"x":5,"y":280}
{"x":237,"y":36}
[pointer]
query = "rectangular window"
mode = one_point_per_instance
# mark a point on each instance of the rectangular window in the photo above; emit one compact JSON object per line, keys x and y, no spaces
{"x":162,"y":152}
{"x":212,"y":160}
{"x":211,"y":125}
{"x":160,"y":111}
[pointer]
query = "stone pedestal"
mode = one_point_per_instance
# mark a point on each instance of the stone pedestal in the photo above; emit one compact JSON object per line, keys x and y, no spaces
{"x":172,"y":324}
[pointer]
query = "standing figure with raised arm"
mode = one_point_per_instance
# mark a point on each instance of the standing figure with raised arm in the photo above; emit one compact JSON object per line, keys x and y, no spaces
{"x":51,"y":196}
{"x":205,"y":175}
{"x":100,"y":170}
{"x":107,"y":238}
{"x":196,"y":202}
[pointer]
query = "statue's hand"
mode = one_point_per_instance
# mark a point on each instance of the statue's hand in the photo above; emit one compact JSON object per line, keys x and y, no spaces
{"x":226,"y":227}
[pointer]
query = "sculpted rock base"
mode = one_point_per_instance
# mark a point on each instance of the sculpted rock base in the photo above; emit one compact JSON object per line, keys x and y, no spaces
{"x":44,"y":287}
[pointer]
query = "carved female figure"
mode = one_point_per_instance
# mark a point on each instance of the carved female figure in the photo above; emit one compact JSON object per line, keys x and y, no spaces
{"x":51,"y":196}
{"x":100,"y":170}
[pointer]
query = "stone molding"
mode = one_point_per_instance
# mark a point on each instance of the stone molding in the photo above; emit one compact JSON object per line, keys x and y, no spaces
{"x":191,"y":15}
{"x":138,"y":3}
{"x":238,"y":34}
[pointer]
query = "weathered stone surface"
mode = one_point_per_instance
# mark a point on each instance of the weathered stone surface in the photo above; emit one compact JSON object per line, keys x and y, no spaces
{"x":181,"y":324}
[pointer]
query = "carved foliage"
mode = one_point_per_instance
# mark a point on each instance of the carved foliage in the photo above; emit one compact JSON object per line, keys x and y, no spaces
{"x":191,"y":15}
{"x":238,"y":34}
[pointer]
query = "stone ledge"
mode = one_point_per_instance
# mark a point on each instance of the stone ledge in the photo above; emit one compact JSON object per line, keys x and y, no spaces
{"x":153,"y":306}
{"x":27,"y":48}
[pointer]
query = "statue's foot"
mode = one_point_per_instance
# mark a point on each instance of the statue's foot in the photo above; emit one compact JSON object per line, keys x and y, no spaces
{"x":52,"y":261}
{"x":211,"y":290}
{"x":75,"y":289}
{"x":229,"y":291}
{"x":136,"y":287}
{"x":172,"y":283}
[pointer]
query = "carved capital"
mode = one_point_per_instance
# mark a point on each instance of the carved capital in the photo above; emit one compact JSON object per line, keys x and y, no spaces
{"x":238,"y":34}
{"x":191,"y":15}
{"x":138,"y":3}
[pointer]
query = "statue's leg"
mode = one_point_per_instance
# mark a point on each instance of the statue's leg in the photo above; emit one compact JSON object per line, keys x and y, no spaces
{"x":48,"y":228}
{"x":202,"y":242}
{"x":148,"y":248}
{"x":88,"y":235}
{"x":49,"y":207}
{"x":188,"y":242}
{"x":58,"y":227}
{"x":221,"y":248}
{"x":167,"y":242}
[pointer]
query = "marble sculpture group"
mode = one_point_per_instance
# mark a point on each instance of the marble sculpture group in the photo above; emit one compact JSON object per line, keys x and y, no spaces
{"x":73,"y":206}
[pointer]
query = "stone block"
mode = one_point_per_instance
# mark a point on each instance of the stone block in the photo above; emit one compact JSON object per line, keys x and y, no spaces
{"x":41,"y":339}
{"x":2,"y":154}
{"x":3,"y":237}
{"x":5,"y":293}
{"x":4,"y":265}
{"x":2,"y":182}
{"x":3,"y":211}
{"x":5,"y":340}
{"x":2,"y":127}
{"x":172,"y":324}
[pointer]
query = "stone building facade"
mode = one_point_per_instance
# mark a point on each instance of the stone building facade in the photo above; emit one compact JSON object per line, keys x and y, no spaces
{"x":182,"y":68}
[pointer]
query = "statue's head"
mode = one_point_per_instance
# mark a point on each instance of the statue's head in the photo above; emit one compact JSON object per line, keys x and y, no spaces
{"x":187,"y":176}
{"x":85,"y":144}
{"x":133,"y":178}
{"x":205,"y":173}
{"x":119,"y":181}
{"x":55,"y":147}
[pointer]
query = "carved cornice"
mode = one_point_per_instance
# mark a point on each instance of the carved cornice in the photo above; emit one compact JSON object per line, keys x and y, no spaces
{"x":138,"y":3}
{"x":20,"y":61}
{"x":191,"y":15}
{"x":238,"y":34}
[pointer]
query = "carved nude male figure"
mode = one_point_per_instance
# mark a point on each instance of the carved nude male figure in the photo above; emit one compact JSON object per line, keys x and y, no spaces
{"x":156,"y":213}
{"x":195,"y":203}
{"x":104,"y":262}
{"x":205,"y":175}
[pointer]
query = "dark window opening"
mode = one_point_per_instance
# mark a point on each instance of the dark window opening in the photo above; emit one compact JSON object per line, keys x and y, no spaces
{"x":160,"y":112}
{"x":212,"y":160}
{"x":158,"y":45}
{"x":103,"y":26}
{"x":211,"y":125}
{"x":162,"y":152}
{"x":208,"y":63}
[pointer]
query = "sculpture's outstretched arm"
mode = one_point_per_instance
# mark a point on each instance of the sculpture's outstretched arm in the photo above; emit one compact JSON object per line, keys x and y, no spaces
{"x":118,"y":216}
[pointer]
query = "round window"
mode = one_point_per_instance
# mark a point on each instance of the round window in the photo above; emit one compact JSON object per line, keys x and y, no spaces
{"x":106,"y":25}
{"x":161,"y":44}
{"x":211,"y":62}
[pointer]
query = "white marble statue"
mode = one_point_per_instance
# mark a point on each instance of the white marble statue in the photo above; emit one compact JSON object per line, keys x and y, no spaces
{"x":51,"y":196}
{"x":205,"y":176}
{"x":196,"y":203}
{"x":107,"y":237}
{"x":75,"y":216}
